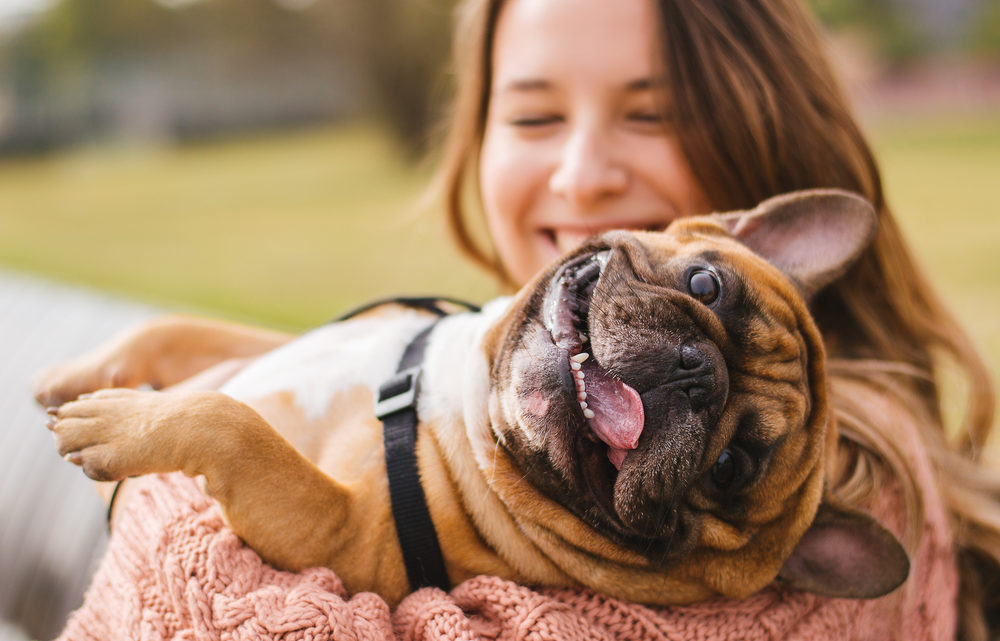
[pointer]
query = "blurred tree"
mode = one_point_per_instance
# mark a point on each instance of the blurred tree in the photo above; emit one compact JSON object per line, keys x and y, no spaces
{"x":403,"y":51}
{"x":896,"y":36}
{"x":393,"y":51}
{"x":984,"y":30}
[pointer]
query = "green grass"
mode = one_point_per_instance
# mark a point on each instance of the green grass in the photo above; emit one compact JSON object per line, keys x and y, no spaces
{"x":287,"y":230}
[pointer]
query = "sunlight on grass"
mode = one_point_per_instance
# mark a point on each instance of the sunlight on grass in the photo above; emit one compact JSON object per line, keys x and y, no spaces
{"x":285,"y":230}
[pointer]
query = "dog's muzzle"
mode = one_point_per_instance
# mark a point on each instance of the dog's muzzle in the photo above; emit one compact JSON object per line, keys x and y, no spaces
{"x":613,"y":410}
{"x":650,"y":394}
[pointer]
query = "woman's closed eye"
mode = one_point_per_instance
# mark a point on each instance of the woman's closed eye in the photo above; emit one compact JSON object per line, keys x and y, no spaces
{"x":535,"y":121}
{"x":648,"y":120}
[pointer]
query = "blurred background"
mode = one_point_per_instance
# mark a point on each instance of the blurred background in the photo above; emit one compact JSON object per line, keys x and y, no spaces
{"x":263,"y":160}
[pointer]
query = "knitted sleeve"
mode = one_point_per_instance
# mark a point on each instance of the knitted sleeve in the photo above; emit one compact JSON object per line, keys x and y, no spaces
{"x":174,"y":571}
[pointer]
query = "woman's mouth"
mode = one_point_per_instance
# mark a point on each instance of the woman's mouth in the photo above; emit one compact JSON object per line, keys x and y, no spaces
{"x":563,"y":240}
{"x":566,"y":240}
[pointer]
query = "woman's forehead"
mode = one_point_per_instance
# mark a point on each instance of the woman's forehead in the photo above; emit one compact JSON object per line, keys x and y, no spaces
{"x":540,"y":44}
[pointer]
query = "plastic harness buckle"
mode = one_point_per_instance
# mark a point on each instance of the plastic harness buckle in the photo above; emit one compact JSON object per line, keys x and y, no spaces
{"x":398,"y":393}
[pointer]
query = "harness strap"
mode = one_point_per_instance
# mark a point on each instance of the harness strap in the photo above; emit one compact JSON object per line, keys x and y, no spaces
{"x":397,"y":409}
{"x":427,"y":303}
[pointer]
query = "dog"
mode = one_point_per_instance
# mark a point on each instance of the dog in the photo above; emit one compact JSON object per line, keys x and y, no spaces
{"x":647,"y":419}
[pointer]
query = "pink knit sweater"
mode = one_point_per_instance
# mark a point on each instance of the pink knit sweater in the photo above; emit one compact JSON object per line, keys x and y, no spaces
{"x":174,"y":571}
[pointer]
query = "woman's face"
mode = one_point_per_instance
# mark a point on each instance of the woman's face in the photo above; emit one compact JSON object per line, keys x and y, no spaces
{"x":574,"y":141}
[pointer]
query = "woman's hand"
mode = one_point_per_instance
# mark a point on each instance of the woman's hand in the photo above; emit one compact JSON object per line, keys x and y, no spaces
{"x":122,"y":362}
{"x":160,"y":353}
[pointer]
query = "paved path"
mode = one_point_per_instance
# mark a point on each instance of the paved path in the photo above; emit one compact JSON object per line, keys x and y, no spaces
{"x":51,"y":521}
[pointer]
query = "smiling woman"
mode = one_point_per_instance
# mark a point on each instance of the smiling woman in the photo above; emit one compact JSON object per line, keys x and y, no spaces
{"x":572,"y":117}
{"x":575,"y":139}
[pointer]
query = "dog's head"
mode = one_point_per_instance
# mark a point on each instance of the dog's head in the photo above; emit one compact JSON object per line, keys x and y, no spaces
{"x":668,"y":389}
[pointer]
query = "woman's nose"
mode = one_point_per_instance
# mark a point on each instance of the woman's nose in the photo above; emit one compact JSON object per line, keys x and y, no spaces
{"x":587,"y":172}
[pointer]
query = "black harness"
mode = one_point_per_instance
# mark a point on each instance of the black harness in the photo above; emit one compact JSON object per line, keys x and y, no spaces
{"x":397,"y":409}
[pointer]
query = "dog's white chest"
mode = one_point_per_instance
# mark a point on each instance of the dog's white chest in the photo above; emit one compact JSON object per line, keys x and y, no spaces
{"x":332,"y":358}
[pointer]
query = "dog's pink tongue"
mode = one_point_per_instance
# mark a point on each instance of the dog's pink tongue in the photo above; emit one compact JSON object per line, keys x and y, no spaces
{"x":618,"y":414}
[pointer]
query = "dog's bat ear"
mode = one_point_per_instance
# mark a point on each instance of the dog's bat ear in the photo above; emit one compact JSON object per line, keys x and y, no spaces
{"x":846,"y":553}
{"x":813,"y":235}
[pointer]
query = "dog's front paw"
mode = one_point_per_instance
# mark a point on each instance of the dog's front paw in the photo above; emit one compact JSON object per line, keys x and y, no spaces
{"x":115,"y":433}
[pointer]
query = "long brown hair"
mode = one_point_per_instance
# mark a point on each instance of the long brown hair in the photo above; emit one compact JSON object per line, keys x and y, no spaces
{"x":758,"y":111}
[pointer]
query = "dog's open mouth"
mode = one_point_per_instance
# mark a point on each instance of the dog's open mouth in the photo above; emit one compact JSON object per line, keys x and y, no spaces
{"x":613,"y":410}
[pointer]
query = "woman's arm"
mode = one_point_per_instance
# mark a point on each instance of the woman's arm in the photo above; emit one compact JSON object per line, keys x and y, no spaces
{"x":160,"y":353}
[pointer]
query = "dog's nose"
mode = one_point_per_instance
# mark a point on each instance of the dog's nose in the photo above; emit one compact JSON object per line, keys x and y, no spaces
{"x":697,"y":376}
{"x":692,"y":357}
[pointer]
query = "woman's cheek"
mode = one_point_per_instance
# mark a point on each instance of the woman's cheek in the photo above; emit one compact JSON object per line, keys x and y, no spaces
{"x":509,"y":174}
{"x":666,"y":170}
{"x":514,"y":174}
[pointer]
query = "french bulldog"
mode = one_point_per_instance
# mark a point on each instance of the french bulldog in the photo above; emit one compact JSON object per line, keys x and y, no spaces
{"x":648,"y":419}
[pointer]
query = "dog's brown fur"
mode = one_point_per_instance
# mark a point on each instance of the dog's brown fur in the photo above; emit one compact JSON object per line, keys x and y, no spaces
{"x":503,"y":455}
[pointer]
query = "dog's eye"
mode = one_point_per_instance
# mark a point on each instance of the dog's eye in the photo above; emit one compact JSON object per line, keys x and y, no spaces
{"x":724,"y":472}
{"x":732,"y":471}
{"x":704,"y":286}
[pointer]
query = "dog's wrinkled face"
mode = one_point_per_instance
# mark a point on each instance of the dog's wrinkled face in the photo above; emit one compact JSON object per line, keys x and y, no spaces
{"x":652,"y":380}
{"x":668,"y":390}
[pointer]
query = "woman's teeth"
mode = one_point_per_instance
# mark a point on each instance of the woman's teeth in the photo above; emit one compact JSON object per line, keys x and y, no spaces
{"x":566,"y":241}
{"x":576,"y":366}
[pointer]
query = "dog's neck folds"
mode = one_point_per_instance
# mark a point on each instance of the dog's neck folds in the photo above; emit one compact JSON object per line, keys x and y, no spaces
{"x":455,"y":376}
{"x":454,"y":407}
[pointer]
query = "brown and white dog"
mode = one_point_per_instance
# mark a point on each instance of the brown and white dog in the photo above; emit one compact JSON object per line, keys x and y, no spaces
{"x":648,"y":419}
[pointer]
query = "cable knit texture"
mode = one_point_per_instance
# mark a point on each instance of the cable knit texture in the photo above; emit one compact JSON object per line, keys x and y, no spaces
{"x":174,"y":571}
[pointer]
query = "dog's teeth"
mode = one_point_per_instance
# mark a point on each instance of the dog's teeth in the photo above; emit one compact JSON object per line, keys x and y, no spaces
{"x":582,"y":356}
{"x":574,"y":365}
{"x":581,"y":396}
{"x":589,"y":413}
{"x":583,"y":405}
{"x":583,"y":337}
{"x":579,"y":375}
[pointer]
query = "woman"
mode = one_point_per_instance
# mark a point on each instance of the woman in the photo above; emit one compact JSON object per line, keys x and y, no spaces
{"x":573,"y":127}
{"x":575,"y":116}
